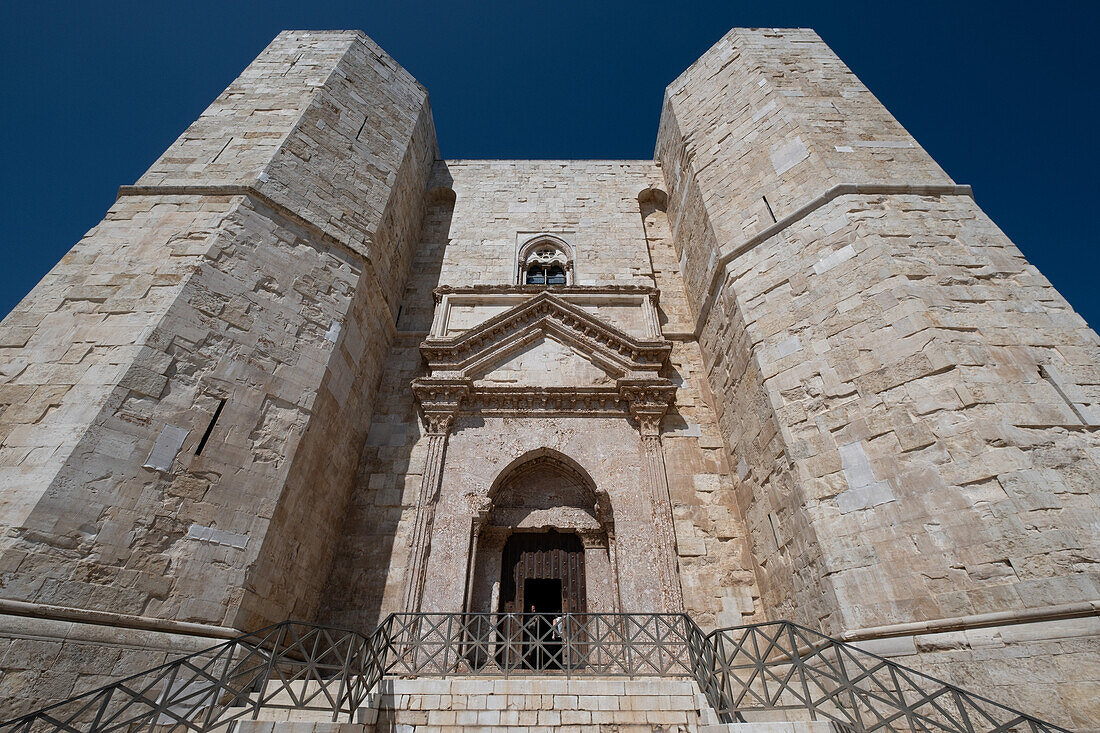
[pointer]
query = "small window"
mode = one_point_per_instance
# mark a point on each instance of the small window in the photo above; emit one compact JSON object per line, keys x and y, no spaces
{"x":543,"y":275}
{"x":545,"y":261}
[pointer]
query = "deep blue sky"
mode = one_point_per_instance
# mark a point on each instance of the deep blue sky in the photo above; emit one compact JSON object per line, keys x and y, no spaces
{"x":1002,"y":94}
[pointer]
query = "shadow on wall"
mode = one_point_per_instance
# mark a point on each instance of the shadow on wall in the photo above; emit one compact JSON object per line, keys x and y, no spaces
{"x":369,"y":556}
{"x":653,"y":206}
{"x":418,"y":306}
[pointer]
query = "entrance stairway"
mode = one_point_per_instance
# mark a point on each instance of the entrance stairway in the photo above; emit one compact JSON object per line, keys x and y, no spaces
{"x":608,"y":672}
{"x":527,"y":703}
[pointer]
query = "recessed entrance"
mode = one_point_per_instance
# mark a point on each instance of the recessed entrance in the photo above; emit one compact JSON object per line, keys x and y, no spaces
{"x":542,"y":595}
{"x":543,"y":569}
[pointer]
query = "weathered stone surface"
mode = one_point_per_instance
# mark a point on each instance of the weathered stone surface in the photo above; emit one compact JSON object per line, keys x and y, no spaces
{"x":787,"y":369}
{"x":192,"y":299}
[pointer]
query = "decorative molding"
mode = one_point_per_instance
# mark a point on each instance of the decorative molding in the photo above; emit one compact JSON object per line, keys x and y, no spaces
{"x":1065,"y":611}
{"x":546,"y":311}
{"x":545,"y":400}
{"x":442,"y":290}
{"x":113,"y":620}
{"x":454,"y":363}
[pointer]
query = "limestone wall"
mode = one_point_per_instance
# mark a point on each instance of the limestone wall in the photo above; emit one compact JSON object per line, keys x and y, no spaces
{"x":47,"y":661}
{"x":591,"y":204}
{"x":908,"y":404}
{"x":1047,"y":666}
{"x":758,"y":127}
{"x":239,"y":297}
{"x":472,"y":239}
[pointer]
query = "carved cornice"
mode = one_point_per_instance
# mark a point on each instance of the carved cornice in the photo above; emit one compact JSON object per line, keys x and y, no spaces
{"x":505,"y":289}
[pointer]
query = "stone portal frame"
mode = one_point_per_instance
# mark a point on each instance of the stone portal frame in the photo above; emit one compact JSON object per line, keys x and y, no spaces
{"x":451,"y":390}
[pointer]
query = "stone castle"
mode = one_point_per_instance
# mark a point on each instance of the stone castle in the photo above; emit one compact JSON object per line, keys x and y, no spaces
{"x":788,"y":369}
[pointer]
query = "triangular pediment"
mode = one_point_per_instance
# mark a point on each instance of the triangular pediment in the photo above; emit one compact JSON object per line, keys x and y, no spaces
{"x":543,"y":362}
{"x":544,"y":317}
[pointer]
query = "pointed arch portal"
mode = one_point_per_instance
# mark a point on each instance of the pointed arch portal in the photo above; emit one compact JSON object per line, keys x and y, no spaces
{"x":546,"y":539}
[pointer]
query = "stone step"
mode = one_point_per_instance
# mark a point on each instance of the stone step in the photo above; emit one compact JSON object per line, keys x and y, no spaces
{"x":580,"y":703}
{"x":536,"y":702}
{"x":527,"y":703}
{"x":268,"y":726}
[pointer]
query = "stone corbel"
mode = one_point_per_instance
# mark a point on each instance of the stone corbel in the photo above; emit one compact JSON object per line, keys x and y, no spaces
{"x":649,"y":400}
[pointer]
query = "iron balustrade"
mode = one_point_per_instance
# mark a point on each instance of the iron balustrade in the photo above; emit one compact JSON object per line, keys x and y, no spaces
{"x":741,"y":670}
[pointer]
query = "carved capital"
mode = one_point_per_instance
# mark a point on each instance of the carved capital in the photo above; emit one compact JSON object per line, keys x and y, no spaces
{"x":479,"y":505}
{"x":593,"y":540}
{"x":649,"y":400}
{"x":440,"y":400}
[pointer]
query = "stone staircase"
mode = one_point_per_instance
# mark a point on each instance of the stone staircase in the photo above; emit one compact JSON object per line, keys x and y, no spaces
{"x":525,"y":703}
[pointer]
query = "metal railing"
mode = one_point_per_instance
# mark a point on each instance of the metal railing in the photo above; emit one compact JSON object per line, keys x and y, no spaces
{"x":594,"y":644}
{"x":741,"y":670}
{"x":781,"y":665}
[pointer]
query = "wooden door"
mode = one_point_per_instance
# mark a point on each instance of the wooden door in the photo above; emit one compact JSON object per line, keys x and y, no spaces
{"x":542,"y":556}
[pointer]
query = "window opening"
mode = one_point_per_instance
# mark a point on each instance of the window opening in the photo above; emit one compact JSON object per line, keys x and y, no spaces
{"x":544,"y":263}
{"x":210,"y":427}
{"x":543,"y":275}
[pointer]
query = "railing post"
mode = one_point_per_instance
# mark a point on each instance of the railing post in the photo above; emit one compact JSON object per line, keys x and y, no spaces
{"x":222,"y":682}
{"x":267,"y":671}
{"x":448,"y":641}
{"x":839,"y":652}
{"x":801,"y":667}
{"x":628,"y":646}
{"x":344,"y":686}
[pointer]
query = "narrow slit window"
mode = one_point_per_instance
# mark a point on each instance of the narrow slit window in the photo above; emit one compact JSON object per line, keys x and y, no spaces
{"x":210,"y":427}
{"x":770,"y":212}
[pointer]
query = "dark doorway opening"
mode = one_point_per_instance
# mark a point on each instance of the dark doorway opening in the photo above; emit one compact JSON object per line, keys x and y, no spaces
{"x":543,"y":594}
{"x":544,"y":570}
{"x":543,"y":556}
{"x":542,"y":600}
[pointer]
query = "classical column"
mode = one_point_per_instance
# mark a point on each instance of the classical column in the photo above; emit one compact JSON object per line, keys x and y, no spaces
{"x":648,"y":404}
{"x":439,"y":402}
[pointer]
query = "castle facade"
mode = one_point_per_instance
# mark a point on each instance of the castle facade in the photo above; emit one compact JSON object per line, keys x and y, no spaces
{"x":787,"y":369}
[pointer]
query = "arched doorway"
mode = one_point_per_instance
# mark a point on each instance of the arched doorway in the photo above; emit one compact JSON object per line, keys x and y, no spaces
{"x":546,"y":535}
